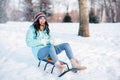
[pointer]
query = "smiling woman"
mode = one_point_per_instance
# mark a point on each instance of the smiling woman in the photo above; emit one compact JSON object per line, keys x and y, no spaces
{"x":39,"y":38}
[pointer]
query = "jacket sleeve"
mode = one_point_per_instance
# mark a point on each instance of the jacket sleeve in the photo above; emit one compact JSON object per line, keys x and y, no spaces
{"x":30,"y":40}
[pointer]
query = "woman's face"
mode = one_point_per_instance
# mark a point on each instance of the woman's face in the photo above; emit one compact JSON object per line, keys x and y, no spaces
{"x":42,"y":20}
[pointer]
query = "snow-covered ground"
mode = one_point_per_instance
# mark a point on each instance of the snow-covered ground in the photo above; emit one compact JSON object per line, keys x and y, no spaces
{"x":100,"y":52}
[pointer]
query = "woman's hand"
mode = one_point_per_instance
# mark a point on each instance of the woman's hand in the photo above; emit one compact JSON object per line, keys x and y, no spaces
{"x":44,"y":41}
{"x":52,"y":42}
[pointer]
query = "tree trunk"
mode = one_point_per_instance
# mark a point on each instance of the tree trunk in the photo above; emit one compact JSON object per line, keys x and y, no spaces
{"x":115,"y":11}
{"x":84,"y":19}
{"x":101,"y":16}
{"x":106,"y":14}
{"x":110,"y":11}
{"x":104,"y":17}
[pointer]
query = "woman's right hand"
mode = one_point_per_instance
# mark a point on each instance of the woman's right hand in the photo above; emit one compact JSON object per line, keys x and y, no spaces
{"x":52,"y":42}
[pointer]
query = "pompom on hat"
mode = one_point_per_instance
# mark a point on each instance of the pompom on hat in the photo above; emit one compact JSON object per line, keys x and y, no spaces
{"x":38,"y":15}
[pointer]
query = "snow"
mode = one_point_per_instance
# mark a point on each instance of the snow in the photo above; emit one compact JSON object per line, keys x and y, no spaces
{"x":100,"y":52}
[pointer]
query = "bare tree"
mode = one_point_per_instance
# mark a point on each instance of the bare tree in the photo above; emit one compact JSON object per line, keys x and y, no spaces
{"x":108,"y":9}
{"x":28,"y":10}
{"x":118,"y":10}
{"x":45,"y":7}
{"x":115,"y":11}
{"x":84,"y":19}
{"x":3,"y":15}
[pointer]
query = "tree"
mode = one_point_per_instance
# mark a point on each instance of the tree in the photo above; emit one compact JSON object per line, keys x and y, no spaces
{"x":115,"y":11}
{"x":28,"y":10}
{"x":118,"y":10}
{"x":84,"y":19}
{"x":67,"y":18}
{"x":106,"y":10}
{"x":45,"y":7}
{"x":3,"y":15}
{"x":93,"y":18}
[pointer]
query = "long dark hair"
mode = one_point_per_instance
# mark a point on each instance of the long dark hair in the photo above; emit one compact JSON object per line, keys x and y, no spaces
{"x":37,"y":27}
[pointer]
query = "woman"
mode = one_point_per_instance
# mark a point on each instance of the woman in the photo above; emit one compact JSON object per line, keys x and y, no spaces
{"x":38,"y":37}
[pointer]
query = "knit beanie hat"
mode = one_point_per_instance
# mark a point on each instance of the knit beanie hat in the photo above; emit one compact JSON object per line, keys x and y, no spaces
{"x":38,"y":15}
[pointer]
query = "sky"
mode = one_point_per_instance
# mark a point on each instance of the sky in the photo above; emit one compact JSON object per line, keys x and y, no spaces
{"x":16,"y":4}
{"x":73,"y":5}
{"x":58,"y":5}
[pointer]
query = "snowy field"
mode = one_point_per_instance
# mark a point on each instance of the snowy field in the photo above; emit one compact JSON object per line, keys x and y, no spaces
{"x":100,"y":52}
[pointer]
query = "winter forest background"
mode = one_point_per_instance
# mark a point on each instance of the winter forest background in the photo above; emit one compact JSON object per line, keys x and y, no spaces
{"x":58,"y":10}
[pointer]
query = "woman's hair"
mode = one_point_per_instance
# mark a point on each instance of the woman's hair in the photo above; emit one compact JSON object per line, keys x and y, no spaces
{"x":37,"y":26}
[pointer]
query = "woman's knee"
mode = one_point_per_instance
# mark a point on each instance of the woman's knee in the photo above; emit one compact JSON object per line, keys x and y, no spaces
{"x":51,"y":46}
{"x":66,"y":44}
{"x":42,"y":53}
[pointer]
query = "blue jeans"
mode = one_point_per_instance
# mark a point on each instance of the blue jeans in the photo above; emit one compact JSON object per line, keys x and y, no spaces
{"x":53,"y":51}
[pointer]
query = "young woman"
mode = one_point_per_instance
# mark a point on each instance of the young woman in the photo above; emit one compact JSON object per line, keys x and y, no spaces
{"x":39,"y":38}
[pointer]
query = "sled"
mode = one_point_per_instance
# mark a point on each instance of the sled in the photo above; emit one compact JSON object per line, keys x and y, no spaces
{"x":72,"y":69}
{"x":49,"y":60}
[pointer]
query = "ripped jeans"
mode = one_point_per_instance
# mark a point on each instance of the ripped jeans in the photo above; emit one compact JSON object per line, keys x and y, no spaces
{"x":53,"y":51}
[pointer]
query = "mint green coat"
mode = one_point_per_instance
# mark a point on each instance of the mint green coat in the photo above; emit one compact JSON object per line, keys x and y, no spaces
{"x":35,"y":42}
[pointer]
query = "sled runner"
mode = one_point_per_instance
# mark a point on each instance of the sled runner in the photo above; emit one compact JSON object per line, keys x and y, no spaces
{"x":49,"y":60}
{"x":72,"y":69}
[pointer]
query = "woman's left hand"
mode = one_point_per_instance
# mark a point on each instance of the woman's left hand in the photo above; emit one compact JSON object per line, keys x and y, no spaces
{"x":44,"y":41}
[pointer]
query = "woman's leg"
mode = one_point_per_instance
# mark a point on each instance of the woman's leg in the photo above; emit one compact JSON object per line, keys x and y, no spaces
{"x":54,"y":50}
{"x":47,"y":51}
{"x":50,"y":51}
{"x":66,"y":47}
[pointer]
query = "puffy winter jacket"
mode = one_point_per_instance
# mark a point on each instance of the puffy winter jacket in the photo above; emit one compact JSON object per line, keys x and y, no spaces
{"x":36,"y":42}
